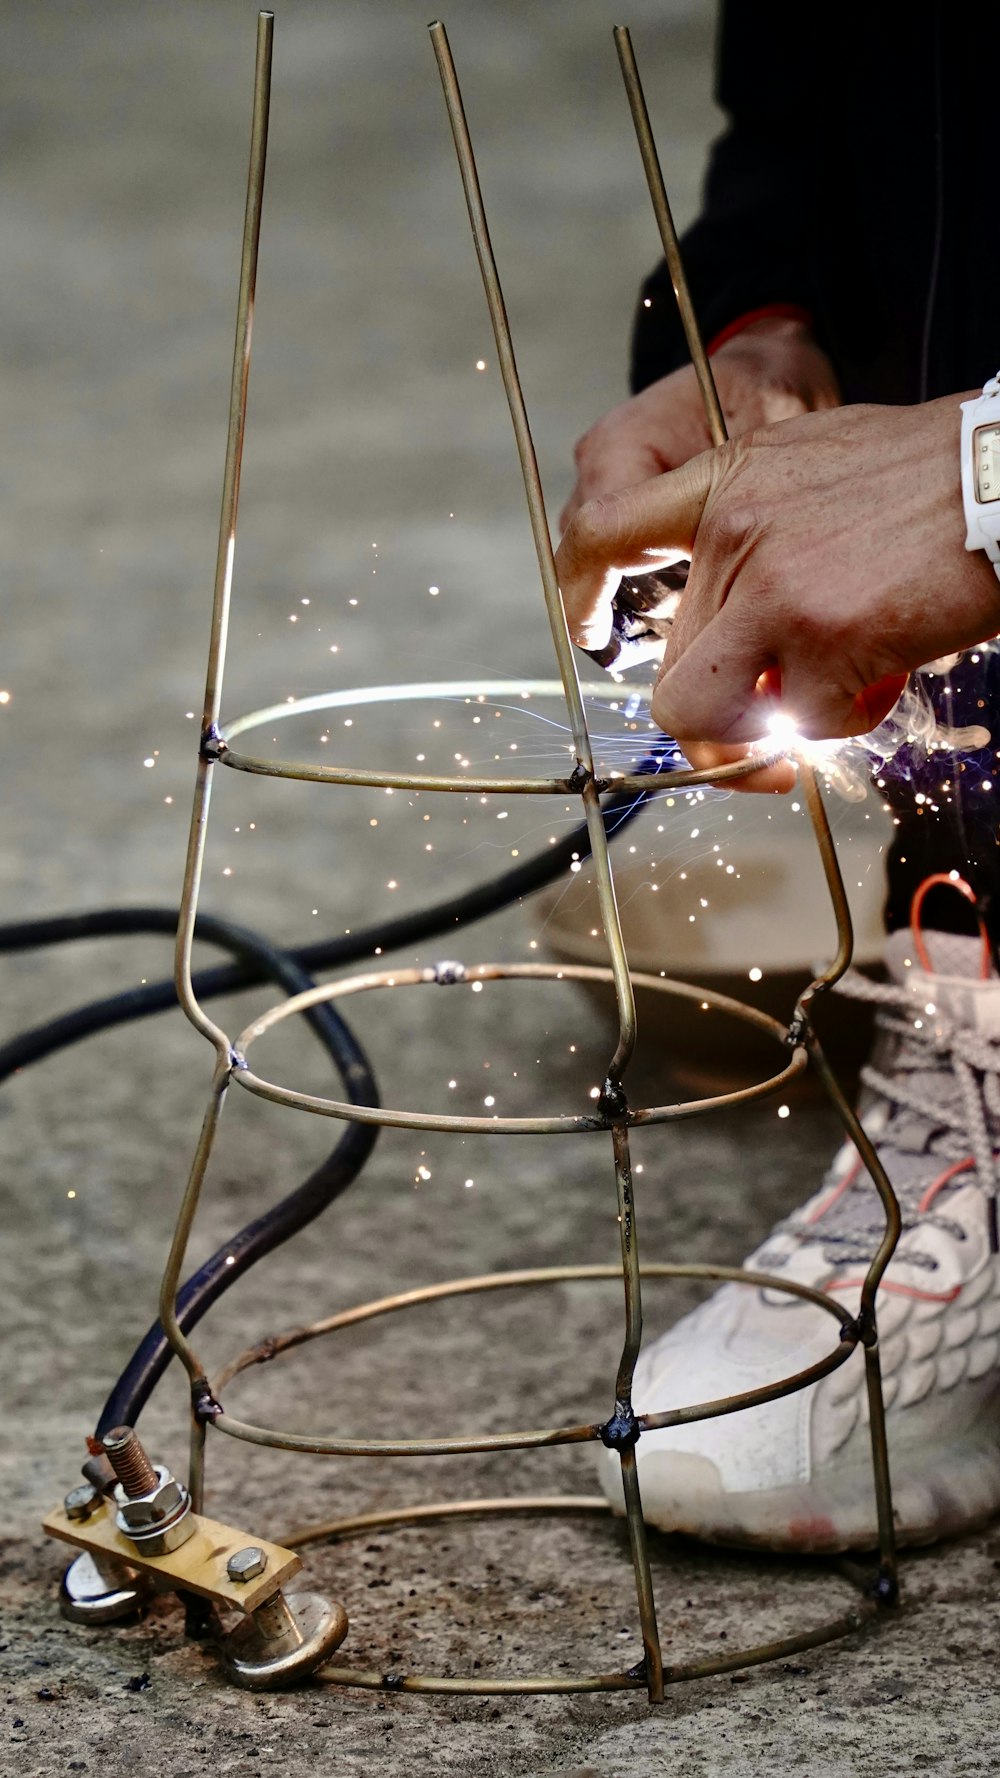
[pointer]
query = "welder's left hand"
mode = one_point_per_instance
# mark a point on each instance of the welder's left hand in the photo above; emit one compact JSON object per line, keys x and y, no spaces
{"x":827,"y":562}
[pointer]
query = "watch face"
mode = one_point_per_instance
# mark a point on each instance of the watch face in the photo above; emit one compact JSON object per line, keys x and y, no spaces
{"x":986,"y":448}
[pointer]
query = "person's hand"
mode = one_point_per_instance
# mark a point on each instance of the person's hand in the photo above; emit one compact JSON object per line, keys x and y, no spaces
{"x":827,"y":562}
{"x":771,"y":371}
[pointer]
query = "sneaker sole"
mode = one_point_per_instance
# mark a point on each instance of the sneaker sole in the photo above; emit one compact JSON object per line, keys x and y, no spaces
{"x":682,"y":1492}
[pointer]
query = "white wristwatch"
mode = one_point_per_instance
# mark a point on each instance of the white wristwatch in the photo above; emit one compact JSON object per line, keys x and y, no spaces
{"x":981,"y":471}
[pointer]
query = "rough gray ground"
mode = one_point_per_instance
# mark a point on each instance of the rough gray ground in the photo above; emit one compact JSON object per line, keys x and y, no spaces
{"x":123,"y":132}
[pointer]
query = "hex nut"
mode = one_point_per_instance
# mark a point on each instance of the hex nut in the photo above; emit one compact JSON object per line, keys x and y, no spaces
{"x":247,"y":1564}
{"x":157,"y":1522}
{"x":141,"y":1512}
{"x":81,"y":1501}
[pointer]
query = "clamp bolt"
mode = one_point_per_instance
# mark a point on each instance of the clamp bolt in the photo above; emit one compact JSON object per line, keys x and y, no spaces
{"x":246,"y":1564}
{"x":81,"y":1501}
{"x":154,"y":1510}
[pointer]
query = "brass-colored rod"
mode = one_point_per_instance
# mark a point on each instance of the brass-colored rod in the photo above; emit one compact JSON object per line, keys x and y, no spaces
{"x":639,"y":1550}
{"x":536,"y":1438}
{"x":196,"y":1464}
{"x":275,"y":1344}
{"x":440,"y":1511}
{"x":569,"y":1124}
{"x":227,"y":535}
{"x":542,"y":540}
{"x":668,"y":235}
{"x":869,"y":1155}
{"x":629,"y":1241}
{"x":880,"y":1468}
{"x":650,"y":782}
{"x":182,"y":1228}
{"x":834,"y":883}
{"x":371,"y":1679}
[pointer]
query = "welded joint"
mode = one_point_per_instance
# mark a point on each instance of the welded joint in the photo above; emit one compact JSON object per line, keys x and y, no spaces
{"x":612,"y":1104}
{"x":212,"y":745}
{"x":861,"y":1329}
{"x":621,"y":1432}
{"x":798,"y":1029}
{"x":446,"y":973}
{"x":204,"y":1406}
{"x":884,"y":1589}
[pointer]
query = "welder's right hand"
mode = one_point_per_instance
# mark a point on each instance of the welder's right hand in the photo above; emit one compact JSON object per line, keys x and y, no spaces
{"x":772,"y":370}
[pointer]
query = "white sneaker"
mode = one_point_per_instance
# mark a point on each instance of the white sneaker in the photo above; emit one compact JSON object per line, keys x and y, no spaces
{"x":796,"y":1474}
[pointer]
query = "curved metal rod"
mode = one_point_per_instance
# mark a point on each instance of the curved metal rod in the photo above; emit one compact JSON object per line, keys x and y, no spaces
{"x":227,"y":538}
{"x":538,"y":1438}
{"x":561,"y":1435}
{"x":566,"y":1124}
{"x":392,"y":780}
{"x":370,"y":1679}
{"x":275,"y":1344}
{"x":439,"y":1511}
{"x":834,"y":883}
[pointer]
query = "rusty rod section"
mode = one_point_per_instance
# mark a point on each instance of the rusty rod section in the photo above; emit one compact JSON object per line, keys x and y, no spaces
{"x":668,"y":234}
{"x":537,"y":1438}
{"x":227,"y":536}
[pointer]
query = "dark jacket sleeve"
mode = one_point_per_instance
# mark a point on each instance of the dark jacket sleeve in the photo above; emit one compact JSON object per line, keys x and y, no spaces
{"x":748,"y":247}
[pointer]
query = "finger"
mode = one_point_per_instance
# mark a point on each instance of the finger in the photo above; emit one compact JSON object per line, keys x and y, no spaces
{"x":610,"y":458}
{"x":819,"y":709}
{"x":632,"y":532}
{"x":716,"y":690}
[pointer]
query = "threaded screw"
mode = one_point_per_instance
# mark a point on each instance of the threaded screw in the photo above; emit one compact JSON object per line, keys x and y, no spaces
{"x":127,"y":1457}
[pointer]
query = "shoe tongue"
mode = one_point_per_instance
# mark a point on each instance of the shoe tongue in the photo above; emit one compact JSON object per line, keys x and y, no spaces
{"x":955,"y":987}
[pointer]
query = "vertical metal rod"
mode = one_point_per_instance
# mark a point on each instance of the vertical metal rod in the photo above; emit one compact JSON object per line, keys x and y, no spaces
{"x":607,"y":900}
{"x":185,"y":1219}
{"x":196,"y":1463}
{"x":824,"y":840}
{"x":643,"y":1577}
{"x":888,"y":1569}
{"x":668,"y":235}
{"x":623,"y":1409}
{"x":893,"y":1228}
{"x":834,"y":883}
{"x":227,"y":535}
{"x":542,"y":540}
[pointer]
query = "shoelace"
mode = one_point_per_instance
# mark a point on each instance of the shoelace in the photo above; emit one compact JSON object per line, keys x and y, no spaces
{"x":953,"y":1116}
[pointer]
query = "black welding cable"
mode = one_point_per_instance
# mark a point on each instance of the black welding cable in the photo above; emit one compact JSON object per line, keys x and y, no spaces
{"x":258,"y":960}
{"x":140,"y":1002}
{"x":148,"y":1362}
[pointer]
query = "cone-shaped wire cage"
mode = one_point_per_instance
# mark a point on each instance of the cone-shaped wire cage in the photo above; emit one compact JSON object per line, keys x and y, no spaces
{"x":609,"y":1118}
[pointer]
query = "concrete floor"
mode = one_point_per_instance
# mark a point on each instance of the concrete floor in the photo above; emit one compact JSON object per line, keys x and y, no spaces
{"x":379,"y":464}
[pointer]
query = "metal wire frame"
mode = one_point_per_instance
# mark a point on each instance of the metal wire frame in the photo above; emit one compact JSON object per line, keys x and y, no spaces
{"x":612,"y":1112}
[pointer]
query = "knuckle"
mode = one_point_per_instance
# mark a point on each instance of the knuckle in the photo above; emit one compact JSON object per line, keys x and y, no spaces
{"x":737,"y":524}
{"x":594,"y":525}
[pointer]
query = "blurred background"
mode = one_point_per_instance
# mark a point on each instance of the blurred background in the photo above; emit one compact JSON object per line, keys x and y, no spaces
{"x":382,"y":538}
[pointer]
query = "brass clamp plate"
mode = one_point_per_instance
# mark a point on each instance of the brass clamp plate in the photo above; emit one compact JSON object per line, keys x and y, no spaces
{"x":199,"y":1566}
